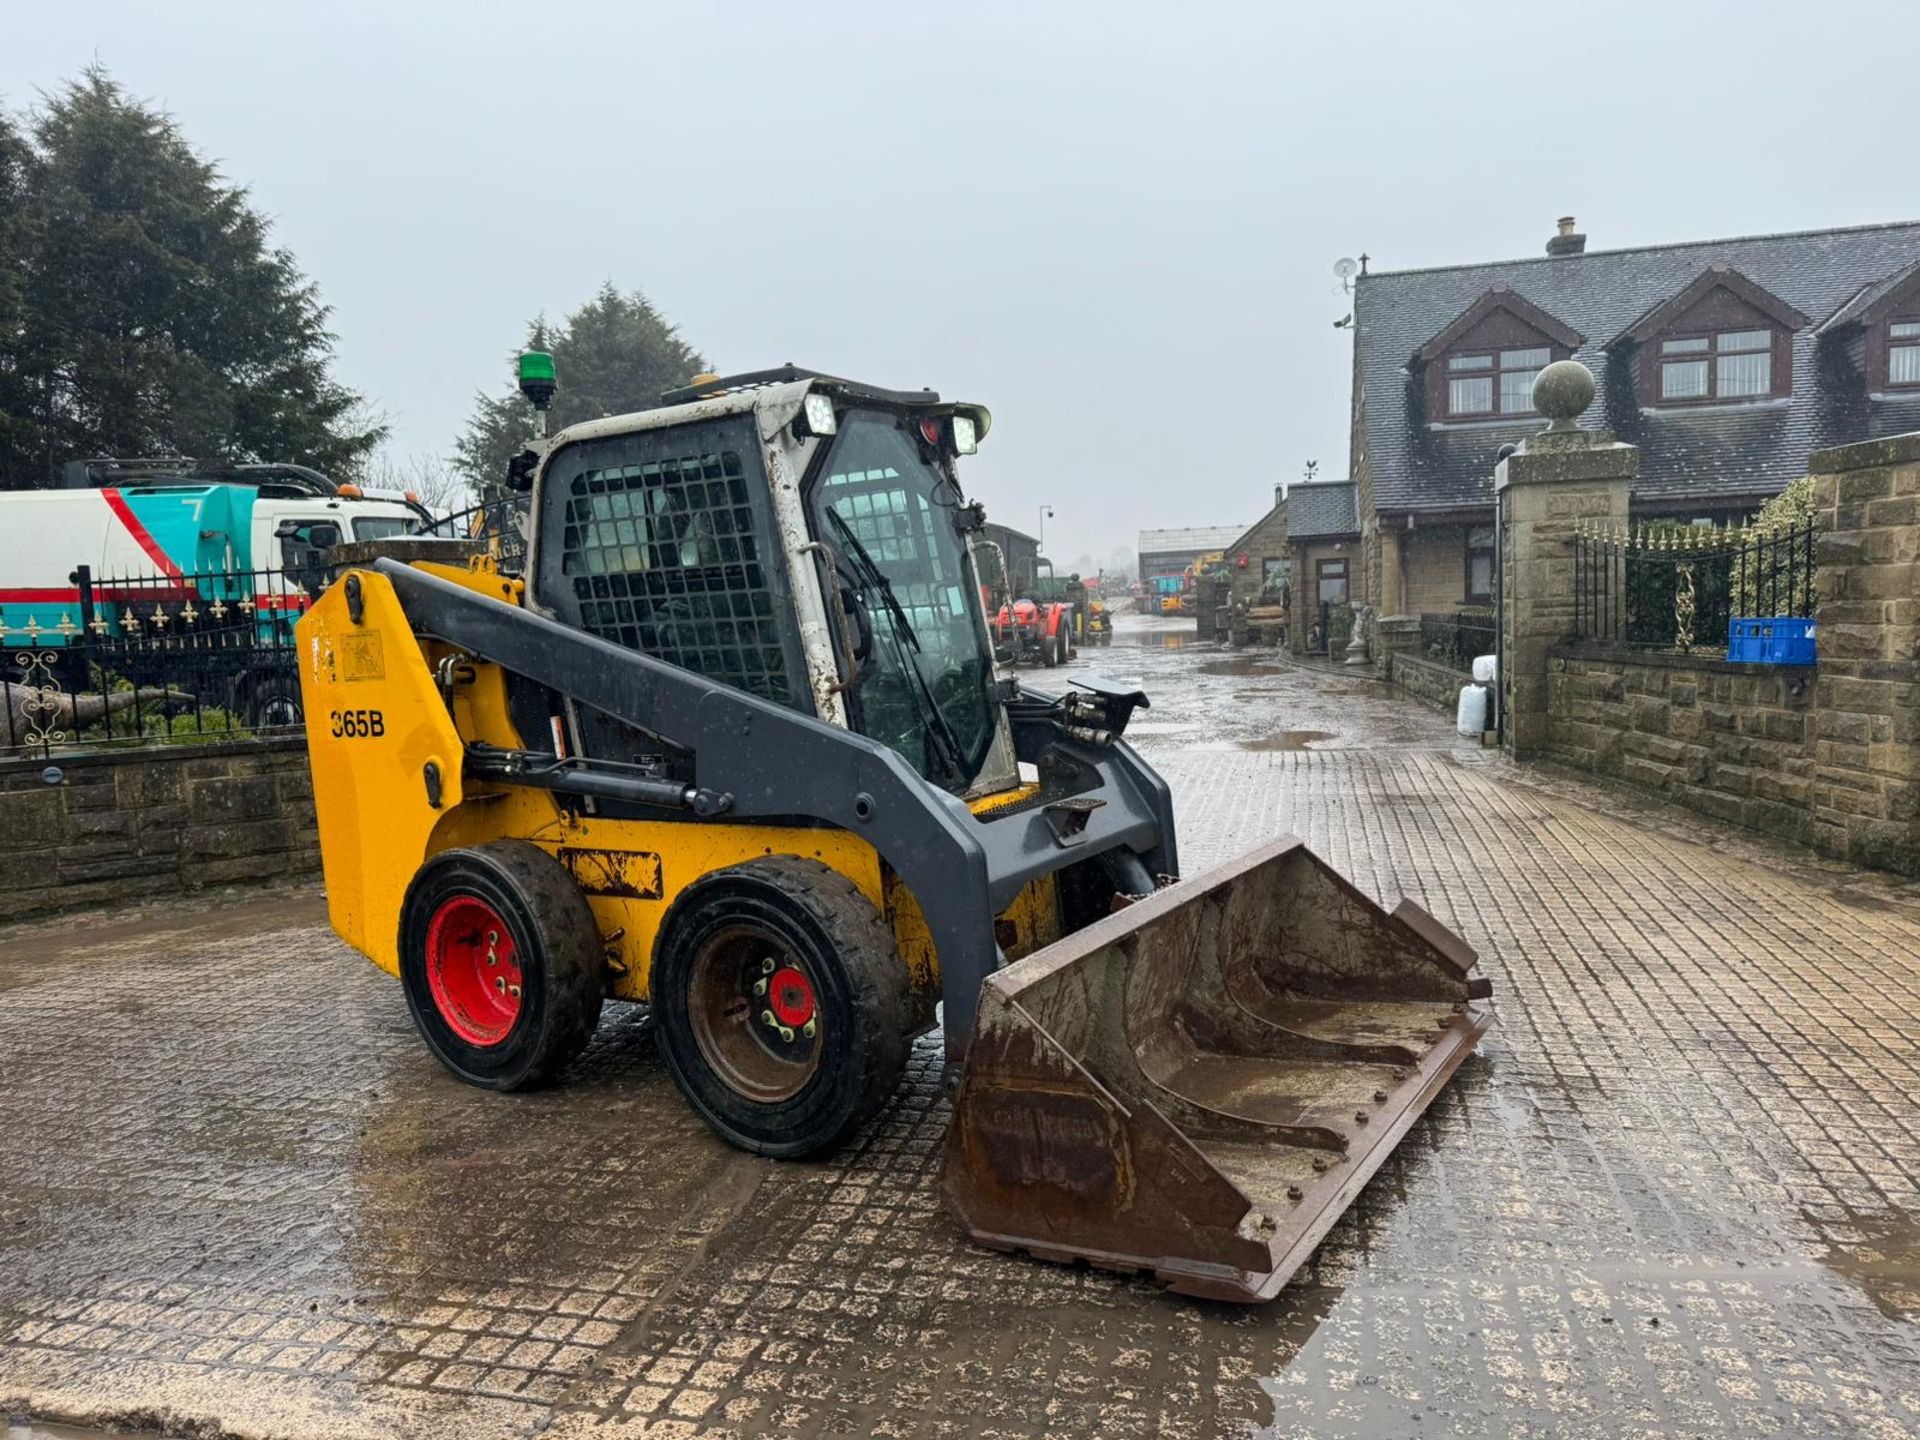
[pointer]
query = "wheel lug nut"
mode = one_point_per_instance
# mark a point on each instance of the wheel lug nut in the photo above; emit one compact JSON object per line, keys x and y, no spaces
{"x":766,"y":1019}
{"x":766,"y":967}
{"x":493,"y":937}
{"x":786,"y":1034}
{"x":810,"y":1029}
{"x":514,"y":991}
{"x":759,"y":987}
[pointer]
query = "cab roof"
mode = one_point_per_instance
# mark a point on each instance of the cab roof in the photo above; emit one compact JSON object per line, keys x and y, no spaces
{"x":776,"y":395}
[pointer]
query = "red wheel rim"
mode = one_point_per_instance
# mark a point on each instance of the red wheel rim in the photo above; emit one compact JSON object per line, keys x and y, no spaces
{"x":473,"y":970}
{"x":790,"y":997}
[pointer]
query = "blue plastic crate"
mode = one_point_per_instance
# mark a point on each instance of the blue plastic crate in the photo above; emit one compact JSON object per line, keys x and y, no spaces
{"x":1746,"y":640}
{"x":1780,"y":640}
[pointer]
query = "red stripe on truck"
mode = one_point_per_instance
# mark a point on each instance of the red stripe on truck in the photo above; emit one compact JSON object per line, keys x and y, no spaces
{"x":121,"y":594}
{"x":117,"y":503}
{"x":37,"y":597}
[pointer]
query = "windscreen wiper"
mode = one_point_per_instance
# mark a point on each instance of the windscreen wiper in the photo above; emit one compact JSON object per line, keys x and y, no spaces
{"x":877,"y":578}
{"x":938,"y":729}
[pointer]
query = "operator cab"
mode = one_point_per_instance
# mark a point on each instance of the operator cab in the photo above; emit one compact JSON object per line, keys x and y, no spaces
{"x":795,"y":535}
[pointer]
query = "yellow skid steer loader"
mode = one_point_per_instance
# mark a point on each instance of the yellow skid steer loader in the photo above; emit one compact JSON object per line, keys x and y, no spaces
{"x":730,"y":741}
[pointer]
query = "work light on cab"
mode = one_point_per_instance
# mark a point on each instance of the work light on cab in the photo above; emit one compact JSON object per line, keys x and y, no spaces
{"x":816,"y":415}
{"x":954,"y":434}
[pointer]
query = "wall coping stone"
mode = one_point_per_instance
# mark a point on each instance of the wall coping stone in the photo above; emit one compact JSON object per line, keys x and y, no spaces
{"x":109,"y":755}
{"x":1575,"y":456}
{"x":1866,"y":454}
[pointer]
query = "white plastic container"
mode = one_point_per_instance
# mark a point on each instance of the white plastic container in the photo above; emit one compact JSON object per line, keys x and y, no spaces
{"x":1486,"y":669}
{"x":1472,"y":716}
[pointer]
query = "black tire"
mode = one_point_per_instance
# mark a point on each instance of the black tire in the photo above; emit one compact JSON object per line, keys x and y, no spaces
{"x":800,"y":1095}
{"x":556,"y":951}
{"x":1050,"y":650}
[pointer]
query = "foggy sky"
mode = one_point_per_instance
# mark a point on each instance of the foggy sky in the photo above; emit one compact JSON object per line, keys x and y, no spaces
{"x":1113,"y":224}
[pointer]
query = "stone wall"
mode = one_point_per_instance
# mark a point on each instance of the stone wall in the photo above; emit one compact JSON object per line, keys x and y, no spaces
{"x":1732,"y":741}
{"x":1827,"y":756}
{"x":1434,"y":563}
{"x":1431,"y":684}
{"x":126,"y":824}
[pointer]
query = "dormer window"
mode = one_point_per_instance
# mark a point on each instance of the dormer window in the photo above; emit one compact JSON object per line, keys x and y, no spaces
{"x":1877,"y":329}
{"x":1903,"y":354}
{"x":1475,"y":382}
{"x":1734,"y":364}
{"x":1721,"y":340}
{"x":1483,"y":365}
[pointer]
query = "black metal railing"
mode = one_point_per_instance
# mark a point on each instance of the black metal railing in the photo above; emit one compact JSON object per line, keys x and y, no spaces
{"x":1454,"y":638}
{"x":128,"y":660}
{"x":1677,"y":587}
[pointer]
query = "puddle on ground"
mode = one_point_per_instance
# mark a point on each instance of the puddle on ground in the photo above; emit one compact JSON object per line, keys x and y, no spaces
{"x":1286,"y":740}
{"x":1884,"y":1262}
{"x":1240,"y":665}
{"x":1157,"y":639}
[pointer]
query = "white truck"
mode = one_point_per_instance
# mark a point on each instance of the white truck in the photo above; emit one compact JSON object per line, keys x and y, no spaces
{"x":228,"y":556}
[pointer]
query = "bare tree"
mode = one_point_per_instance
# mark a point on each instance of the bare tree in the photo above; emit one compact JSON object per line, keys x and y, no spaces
{"x":432,"y":480}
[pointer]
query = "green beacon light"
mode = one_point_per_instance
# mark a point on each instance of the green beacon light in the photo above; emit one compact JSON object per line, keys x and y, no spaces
{"x":537,"y":384}
{"x":536,"y":378}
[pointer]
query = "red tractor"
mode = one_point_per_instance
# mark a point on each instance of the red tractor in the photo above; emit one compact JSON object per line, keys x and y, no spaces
{"x":1036,"y":622}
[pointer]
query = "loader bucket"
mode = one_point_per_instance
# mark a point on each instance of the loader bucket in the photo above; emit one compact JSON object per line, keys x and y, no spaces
{"x":1199,"y":1085}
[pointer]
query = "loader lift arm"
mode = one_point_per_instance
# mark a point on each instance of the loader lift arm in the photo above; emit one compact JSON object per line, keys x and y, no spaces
{"x":777,"y":763}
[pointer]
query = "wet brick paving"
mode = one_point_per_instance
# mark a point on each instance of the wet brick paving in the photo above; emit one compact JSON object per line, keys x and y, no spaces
{"x":1675,"y":1194}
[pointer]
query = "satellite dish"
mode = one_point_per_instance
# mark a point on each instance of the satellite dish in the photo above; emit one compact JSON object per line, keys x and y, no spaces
{"x":1345,"y":269}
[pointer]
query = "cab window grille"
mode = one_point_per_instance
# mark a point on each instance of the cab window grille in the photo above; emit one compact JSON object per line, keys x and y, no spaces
{"x":662,"y":556}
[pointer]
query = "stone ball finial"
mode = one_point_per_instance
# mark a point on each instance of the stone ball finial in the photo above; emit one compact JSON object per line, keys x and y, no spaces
{"x":1562,"y":391}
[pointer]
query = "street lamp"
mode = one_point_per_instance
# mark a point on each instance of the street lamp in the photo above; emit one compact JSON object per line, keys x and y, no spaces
{"x":1040,"y":540}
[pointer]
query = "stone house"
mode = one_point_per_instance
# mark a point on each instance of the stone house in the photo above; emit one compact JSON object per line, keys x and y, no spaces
{"x":1726,"y":362}
{"x":1257,"y":560}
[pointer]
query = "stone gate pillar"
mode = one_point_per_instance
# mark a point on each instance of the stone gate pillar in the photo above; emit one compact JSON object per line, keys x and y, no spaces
{"x":1558,"y":480}
{"x":1866,"y":779}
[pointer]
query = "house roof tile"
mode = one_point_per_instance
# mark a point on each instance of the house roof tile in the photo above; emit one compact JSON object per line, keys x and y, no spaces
{"x":1322,"y":510}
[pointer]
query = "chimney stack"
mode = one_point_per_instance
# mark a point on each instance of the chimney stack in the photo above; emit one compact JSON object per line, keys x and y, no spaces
{"x":1280,"y":493}
{"x":1567,"y":242}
